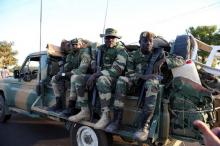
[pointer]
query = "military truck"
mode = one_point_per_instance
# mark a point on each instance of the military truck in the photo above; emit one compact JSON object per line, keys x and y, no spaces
{"x":30,"y":93}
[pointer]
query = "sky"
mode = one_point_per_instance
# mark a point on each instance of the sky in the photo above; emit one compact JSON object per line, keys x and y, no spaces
{"x":67,"y":19}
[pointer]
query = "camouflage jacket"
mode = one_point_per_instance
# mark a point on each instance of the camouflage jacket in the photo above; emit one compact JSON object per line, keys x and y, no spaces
{"x":78,"y":61}
{"x":113,"y":60}
{"x":172,"y":61}
{"x":137,"y":62}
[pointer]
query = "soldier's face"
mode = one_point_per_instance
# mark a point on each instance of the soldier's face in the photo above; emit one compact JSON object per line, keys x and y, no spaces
{"x":110,"y":41}
{"x":146,"y":45}
{"x":75,"y":47}
{"x":67,"y":46}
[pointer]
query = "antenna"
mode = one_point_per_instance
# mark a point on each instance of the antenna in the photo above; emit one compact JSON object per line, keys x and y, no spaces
{"x":40,"y":38}
{"x":106,"y":13}
{"x":40,"y":21}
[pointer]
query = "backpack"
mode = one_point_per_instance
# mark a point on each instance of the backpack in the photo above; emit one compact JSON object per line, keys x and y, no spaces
{"x":189,"y":101}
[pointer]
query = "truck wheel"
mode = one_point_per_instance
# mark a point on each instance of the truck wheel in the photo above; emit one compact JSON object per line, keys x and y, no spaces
{"x":3,"y":116}
{"x":81,"y":135}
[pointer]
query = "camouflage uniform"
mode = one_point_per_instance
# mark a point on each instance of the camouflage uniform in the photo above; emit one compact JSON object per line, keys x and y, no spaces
{"x":76,"y":63}
{"x":151,"y":92}
{"x":128,"y":84}
{"x":112,"y":63}
{"x":78,"y":80}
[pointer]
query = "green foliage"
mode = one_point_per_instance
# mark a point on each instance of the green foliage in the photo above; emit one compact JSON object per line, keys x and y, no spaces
{"x":7,"y":54}
{"x":207,"y":34}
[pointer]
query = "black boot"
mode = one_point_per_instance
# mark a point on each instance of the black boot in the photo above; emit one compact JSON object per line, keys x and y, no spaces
{"x":57,"y":106}
{"x":70,"y":108}
{"x":114,"y":125}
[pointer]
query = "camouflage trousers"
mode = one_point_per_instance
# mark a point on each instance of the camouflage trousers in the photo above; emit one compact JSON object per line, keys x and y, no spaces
{"x":78,"y":89}
{"x":105,"y":85}
{"x":126,"y":85}
{"x":59,"y":86}
{"x":151,"y":92}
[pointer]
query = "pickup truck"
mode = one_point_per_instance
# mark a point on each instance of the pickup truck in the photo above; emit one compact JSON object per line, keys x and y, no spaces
{"x":30,"y":93}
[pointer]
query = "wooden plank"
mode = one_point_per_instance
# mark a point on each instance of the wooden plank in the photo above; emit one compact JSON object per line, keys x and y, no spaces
{"x":203,"y":46}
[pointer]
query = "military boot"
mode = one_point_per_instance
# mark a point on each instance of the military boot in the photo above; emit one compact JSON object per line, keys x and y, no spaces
{"x":118,"y":113}
{"x":70,"y":108}
{"x":84,"y":114}
{"x":104,"y":120}
{"x":57,"y":106}
{"x":142,"y":133}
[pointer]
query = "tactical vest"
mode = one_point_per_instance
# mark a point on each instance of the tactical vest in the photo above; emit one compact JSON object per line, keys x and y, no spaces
{"x":149,"y":67}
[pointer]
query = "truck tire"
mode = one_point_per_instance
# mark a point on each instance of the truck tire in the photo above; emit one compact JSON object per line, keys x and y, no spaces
{"x":84,"y":135}
{"x":3,"y":116}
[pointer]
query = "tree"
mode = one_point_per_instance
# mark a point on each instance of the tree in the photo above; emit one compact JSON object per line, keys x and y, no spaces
{"x":207,"y":34}
{"x":7,"y":54}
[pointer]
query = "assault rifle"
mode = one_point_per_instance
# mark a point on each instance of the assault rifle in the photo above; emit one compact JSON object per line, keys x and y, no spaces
{"x":98,"y":69}
{"x":149,"y":70}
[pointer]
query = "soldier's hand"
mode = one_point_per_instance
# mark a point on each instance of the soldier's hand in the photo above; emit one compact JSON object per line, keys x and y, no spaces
{"x":210,"y":137}
{"x":93,"y":67}
{"x":58,"y":77}
{"x":157,"y":66}
{"x":68,"y":74}
{"x":137,"y":75}
{"x":90,"y":82}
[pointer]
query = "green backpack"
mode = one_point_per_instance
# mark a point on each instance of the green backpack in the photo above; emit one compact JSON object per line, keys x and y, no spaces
{"x":189,"y":101}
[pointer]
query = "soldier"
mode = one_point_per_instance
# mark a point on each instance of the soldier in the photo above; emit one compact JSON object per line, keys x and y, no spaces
{"x":113,"y":61}
{"x":139,"y":62}
{"x":162,"y":67}
{"x":145,"y":65}
{"x":77,"y":62}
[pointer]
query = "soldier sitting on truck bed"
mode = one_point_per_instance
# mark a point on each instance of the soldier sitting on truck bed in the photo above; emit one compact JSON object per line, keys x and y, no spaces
{"x":113,"y":61}
{"x":139,"y":62}
{"x":162,"y":67}
{"x":77,"y":62}
{"x":144,"y":64}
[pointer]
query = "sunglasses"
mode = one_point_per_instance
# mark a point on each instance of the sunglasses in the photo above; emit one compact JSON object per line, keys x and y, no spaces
{"x":110,"y":37}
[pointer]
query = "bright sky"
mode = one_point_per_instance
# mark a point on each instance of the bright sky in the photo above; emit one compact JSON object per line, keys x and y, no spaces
{"x":20,"y":20}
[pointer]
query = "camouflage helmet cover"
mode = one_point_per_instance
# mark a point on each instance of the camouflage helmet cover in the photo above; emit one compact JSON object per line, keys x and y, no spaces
{"x":110,"y":32}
